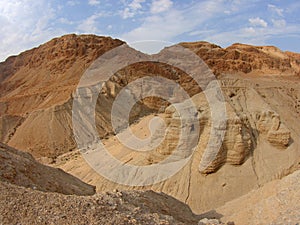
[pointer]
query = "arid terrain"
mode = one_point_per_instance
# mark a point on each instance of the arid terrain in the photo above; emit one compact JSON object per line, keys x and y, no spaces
{"x":254,"y":178}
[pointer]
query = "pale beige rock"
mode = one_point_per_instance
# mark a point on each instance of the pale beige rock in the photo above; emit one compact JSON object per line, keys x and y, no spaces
{"x":22,"y":169}
{"x":246,"y":161}
{"x":236,"y":144}
{"x":269,"y":124}
{"x":276,"y":202}
{"x":38,"y":86}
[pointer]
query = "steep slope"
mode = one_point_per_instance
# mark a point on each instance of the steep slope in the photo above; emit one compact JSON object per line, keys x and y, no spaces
{"x":37,"y":85}
{"x":57,"y":65}
{"x":275,"y":203}
{"x":26,"y":206}
{"x":22,"y":169}
{"x":250,"y":155}
{"x":261,"y":144}
{"x":261,"y":89}
{"x":35,"y":90}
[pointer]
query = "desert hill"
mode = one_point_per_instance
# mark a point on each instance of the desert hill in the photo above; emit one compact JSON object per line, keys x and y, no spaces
{"x":20,"y":168}
{"x":261,"y":92}
{"x":37,"y":85}
{"x":246,"y":59}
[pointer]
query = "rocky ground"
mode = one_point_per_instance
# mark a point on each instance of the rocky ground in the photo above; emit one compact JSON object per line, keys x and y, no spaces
{"x":275,"y":203}
{"x":32,"y":193}
{"x":260,"y":86}
{"x":25,"y":206}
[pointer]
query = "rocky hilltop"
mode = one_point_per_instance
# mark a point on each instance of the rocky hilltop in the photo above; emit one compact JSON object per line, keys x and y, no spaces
{"x":260,"y":86}
{"x":36,"y":87}
{"x":246,"y":59}
{"x":57,"y":65}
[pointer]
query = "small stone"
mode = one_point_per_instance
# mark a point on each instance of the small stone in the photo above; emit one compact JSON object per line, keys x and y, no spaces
{"x":230,"y":223}
{"x":206,"y":221}
{"x":203,"y":221}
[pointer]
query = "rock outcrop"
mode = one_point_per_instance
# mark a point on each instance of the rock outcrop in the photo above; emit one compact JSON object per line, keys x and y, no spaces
{"x":22,"y":169}
{"x":37,"y":86}
{"x":261,"y":94}
{"x":236,"y":145}
{"x":247,"y":159}
{"x":41,"y":81}
{"x":270,"y":125}
{"x":26,"y":206}
{"x":246,"y":59}
{"x":57,"y":65}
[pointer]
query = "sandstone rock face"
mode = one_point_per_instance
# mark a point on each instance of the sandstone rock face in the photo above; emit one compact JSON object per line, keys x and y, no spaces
{"x":239,"y":138}
{"x":37,"y":86}
{"x":261,"y":91}
{"x":46,"y":139}
{"x":236,"y":145}
{"x":29,"y":81}
{"x":8,"y":126}
{"x":247,"y":158}
{"x":269,"y":124}
{"x":246,"y":59}
{"x":21,"y":169}
{"x":57,"y":65}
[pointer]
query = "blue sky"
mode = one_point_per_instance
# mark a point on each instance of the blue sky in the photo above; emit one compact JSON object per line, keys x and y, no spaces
{"x":27,"y":23}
